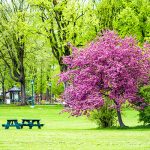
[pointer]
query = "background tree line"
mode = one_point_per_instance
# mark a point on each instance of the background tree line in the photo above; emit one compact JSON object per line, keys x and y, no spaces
{"x":36,"y":34}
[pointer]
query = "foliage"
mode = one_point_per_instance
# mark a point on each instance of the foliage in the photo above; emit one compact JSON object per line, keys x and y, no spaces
{"x":127,"y":23}
{"x":145,"y":93}
{"x":54,"y":16}
{"x":105,"y":116}
{"x":144,"y":113}
{"x":111,"y":67}
{"x":124,"y":16}
{"x":134,"y":19}
{"x":106,"y":11}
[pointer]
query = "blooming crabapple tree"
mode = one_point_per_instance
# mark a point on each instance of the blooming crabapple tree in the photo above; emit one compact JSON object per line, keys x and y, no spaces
{"x":109,"y":66}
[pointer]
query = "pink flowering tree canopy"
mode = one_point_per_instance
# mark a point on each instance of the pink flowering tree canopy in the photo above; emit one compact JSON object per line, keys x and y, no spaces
{"x":109,"y":66}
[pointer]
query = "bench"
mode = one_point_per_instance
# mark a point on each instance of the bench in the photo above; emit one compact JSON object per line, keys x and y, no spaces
{"x":31,"y":123}
{"x":11,"y":123}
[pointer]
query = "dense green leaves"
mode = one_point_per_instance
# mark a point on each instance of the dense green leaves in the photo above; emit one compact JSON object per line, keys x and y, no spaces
{"x":134,"y":20}
{"x":144,"y":114}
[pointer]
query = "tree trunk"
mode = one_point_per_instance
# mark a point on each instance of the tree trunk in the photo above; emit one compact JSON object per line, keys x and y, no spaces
{"x":3,"y":89}
{"x":120,"y":119}
{"x":48,"y":95}
{"x":23,"y":94}
{"x":119,"y":115}
{"x":22,"y":72}
{"x":63,"y":67}
{"x":41,"y":83}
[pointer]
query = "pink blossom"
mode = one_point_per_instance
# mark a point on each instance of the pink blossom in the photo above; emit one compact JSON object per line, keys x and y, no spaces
{"x":112,"y":67}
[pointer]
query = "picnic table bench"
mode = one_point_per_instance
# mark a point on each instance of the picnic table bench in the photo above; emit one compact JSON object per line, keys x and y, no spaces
{"x":11,"y":123}
{"x":31,"y":123}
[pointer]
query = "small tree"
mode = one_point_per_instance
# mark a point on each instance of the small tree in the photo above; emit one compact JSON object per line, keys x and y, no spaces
{"x":110,"y":67}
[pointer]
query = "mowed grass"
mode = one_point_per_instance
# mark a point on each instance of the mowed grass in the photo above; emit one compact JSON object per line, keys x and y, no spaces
{"x":62,"y":132}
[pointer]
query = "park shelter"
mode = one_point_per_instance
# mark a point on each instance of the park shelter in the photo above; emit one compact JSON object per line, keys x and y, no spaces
{"x":14,"y":94}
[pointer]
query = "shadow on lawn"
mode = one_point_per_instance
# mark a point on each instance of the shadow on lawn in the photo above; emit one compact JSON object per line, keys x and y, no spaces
{"x":140,"y":127}
{"x":133,"y":128}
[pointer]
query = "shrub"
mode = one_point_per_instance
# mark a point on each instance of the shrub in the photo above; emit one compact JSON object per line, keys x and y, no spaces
{"x":105,"y":116}
{"x":144,"y":114}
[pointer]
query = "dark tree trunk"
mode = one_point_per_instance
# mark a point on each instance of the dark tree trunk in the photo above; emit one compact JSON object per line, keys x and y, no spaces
{"x":3,"y":89}
{"x":23,"y":92}
{"x":63,"y":67}
{"x":119,"y":115}
{"x":22,"y":75}
{"x":120,"y":119}
{"x":48,"y":95}
{"x":2,"y":81}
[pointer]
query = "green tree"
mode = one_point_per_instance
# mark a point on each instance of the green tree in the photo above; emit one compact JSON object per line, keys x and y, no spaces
{"x":61,"y":20}
{"x":106,"y":12}
{"x":134,"y":20}
{"x":14,"y":31}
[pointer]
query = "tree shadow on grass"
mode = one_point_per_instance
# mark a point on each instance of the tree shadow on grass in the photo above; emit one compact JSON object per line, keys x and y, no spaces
{"x":114,"y":128}
{"x":139,"y":127}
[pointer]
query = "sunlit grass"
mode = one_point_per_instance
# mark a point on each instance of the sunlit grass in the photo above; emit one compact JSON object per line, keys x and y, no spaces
{"x":62,"y":132}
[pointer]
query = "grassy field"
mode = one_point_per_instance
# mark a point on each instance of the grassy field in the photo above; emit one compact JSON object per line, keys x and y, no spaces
{"x":68,"y":133}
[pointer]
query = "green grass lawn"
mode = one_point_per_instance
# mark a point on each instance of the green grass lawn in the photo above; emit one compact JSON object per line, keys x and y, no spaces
{"x":62,"y":132}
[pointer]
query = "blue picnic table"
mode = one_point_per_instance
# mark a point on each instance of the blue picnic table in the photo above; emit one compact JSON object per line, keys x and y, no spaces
{"x":25,"y":122}
{"x":11,"y":123}
{"x":31,"y":123}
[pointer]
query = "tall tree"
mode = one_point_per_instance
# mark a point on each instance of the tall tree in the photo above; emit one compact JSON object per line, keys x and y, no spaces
{"x":13,"y":34}
{"x":60,"y":20}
